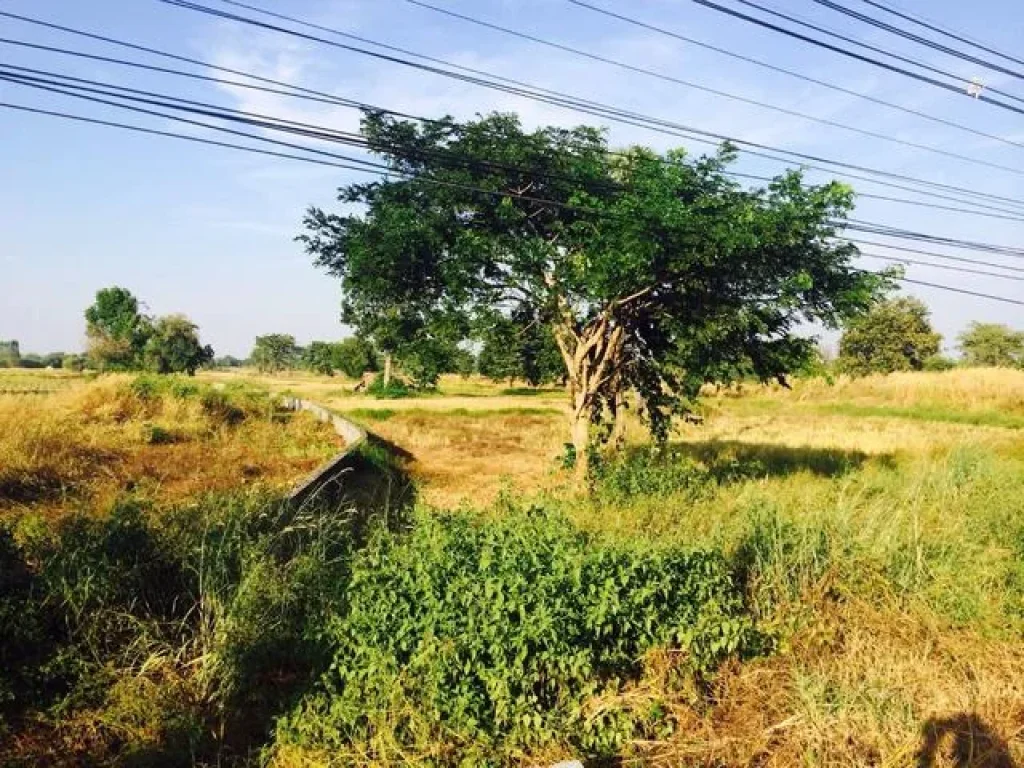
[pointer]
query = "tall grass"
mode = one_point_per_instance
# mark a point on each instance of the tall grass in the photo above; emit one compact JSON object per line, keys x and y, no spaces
{"x":92,"y":441}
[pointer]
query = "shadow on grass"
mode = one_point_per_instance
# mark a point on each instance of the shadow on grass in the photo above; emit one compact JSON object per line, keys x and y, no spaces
{"x":735,"y":460}
{"x":972,"y":744}
{"x":532,"y":391}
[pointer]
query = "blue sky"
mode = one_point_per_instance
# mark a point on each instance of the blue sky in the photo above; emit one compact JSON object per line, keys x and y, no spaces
{"x":209,"y":232}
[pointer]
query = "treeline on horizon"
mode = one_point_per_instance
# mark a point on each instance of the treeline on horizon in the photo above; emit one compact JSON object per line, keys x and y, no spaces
{"x":896,"y":335}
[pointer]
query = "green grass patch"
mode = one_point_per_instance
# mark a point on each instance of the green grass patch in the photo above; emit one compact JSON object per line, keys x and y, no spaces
{"x":926,"y":413}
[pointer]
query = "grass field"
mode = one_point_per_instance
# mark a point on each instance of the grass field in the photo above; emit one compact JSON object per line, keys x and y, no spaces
{"x":827,"y":575}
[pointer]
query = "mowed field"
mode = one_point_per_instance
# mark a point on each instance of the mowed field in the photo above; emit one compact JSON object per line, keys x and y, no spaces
{"x":876,"y":526}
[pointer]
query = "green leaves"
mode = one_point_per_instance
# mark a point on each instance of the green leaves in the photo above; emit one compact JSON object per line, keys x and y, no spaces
{"x":495,"y":633}
{"x":695,"y":277}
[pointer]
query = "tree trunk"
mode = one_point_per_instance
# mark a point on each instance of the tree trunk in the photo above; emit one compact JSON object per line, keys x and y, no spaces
{"x":579,"y":431}
{"x":387,"y":368}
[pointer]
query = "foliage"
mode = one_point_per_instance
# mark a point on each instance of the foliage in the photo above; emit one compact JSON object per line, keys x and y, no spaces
{"x":895,"y":335}
{"x":491,"y":636}
{"x":10,"y":354}
{"x":938,"y":363}
{"x":392,"y":390}
{"x":274,"y":352}
{"x":228,"y":361}
{"x":73,"y":363}
{"x":652,"y":272}
{"x":174,"y":346}
{"x":991,"y":344}
{"x":117,"y":330}
{"x":353,"y":357}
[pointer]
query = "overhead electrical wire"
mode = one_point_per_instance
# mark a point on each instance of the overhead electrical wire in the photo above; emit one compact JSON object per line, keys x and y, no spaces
{"x":586,"y":107}
{"x":260,"y":151}
{"x":310,"y":130}
{"x":793,"y":73}
{"x":935,"y":27}
{"x":888,"y":231}
{"x":958,"y":89}
{"x":298,"y":92}
{"x":558,"y":98}
{"x":919,"y":39}
{"x":916,"y":262}
{"x":706,"y":89}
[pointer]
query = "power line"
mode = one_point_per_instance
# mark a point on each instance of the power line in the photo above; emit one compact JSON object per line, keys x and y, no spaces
{"x":907,"y":35}
{"x":574,"y":103}
{"x":697,"y":86}
{"x":858,"y":56}
{"x":239,"y":147}
{"x":793,"y":73}
{"x":915,"y":262}
{"x":936,"y":254}
{"x":935,"y":27}
{"x":294,"y":91}
{"x":565,"y":101}
{"x":315,"y":131}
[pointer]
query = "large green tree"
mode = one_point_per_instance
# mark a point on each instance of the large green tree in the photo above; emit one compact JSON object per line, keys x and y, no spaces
{"x":992,"y":344}
{"x":654,"y":273}
{"x":896,"y":335}
{"x":116,"y":330}
{"x":174,"y":346}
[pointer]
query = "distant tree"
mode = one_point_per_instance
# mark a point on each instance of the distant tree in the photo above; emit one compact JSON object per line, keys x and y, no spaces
{"x":10,"y":354}
{"x":895,"y":335}
{"x":174,"y":346}
{"x":464,"y":361}
{"x":354,"y":357}
{"x":117,"y":331}
{"x":939,"y":363}
{"x":500,"y":356}
{"x":319,"y":357}
{"x":73,"y":363}
{"x":991,"y":344}
{"x":53,"y":359}
{"x":653,"y":272}
{"x":274,"y":352}
{"x":228,"y":361}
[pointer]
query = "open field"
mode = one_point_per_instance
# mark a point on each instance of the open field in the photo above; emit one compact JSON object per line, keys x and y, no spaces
{"x":828,"y":575}
{"x":87,"y":442}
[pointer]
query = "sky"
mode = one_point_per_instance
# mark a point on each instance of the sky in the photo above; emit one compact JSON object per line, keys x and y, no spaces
{"x":210,"y":232}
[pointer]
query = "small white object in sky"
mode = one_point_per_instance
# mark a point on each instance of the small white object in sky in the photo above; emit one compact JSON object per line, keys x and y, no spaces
{"x":975,"y":87}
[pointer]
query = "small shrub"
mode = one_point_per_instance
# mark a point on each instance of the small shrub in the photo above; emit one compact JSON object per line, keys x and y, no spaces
{"x":393,"y":390}
{"x":490,"y":637}
{"x":938,"y":363}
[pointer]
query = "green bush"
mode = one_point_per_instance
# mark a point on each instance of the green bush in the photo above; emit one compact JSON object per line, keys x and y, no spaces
{"x":489,"y":637}
{"x":393,"y":390}
{"x":939,"y":363}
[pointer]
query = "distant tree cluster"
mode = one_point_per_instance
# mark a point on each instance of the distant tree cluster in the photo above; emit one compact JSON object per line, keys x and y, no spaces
{"x":122,"y":338}
{"x":991,"y":344}
{"x":11,"y":357}
{"x":897,"y":335}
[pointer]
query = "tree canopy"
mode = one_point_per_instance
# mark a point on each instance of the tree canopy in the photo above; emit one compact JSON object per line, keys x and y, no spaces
{"x":122,"y":338}
{"x":992,"y":344}
{"x":116,"y":329}
{"x":274,"y":352}
{"x":653,"y":273}
{"x":174,"y":347}
{"x":894,"y":336}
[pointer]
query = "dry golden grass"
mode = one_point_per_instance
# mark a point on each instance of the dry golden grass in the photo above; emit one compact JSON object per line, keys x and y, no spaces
{"x":860,"y":685}
{"x":93,"y":441}
{"x":968,"y":388}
